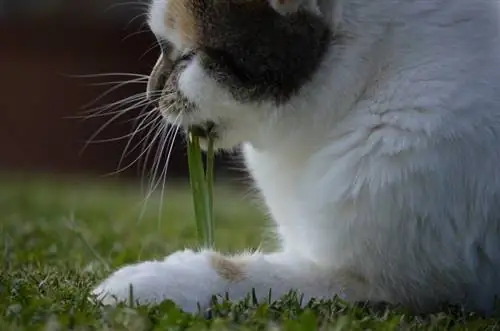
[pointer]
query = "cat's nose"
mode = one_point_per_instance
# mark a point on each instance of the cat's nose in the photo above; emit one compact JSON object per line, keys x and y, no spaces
{"x":157,"y":80}
{"x":161,"y":70}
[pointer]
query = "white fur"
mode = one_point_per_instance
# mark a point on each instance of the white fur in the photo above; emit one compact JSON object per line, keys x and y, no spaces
{"x":382,"y":174}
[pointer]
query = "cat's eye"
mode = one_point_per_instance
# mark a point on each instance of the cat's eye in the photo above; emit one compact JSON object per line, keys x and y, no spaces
{"x":185,"y":56}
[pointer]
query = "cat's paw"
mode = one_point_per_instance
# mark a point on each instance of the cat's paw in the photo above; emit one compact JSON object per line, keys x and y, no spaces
{"x":185,"y":277}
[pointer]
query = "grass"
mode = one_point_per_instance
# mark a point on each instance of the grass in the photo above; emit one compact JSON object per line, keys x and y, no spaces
{"x":57,"y":239}
{"x":201,"y":183}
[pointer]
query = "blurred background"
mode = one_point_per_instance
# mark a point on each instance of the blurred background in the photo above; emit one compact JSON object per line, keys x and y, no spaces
{"x":51,"y":52}
{"x":66,"y":204}
{"x":62,"y":199}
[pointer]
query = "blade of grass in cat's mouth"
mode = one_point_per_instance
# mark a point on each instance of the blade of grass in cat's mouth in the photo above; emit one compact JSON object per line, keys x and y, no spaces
{"x":204,"y":130}
{"x":201,"y":181}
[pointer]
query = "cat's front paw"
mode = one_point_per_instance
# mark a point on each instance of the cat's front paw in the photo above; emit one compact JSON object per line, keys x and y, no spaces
{"x":185,"y":277}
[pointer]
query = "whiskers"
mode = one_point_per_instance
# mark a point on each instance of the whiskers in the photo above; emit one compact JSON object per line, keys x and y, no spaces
{"x":151,"y":135}
{"x":158,"y":172}
{"x":142,"y":8}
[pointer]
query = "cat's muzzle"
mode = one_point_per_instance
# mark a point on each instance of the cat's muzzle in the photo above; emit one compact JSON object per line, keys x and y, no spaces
{"x":163,"y":91}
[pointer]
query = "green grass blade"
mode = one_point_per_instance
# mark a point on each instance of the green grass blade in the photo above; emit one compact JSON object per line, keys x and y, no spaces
{"x":196,"y":182}
{"x":201,"y":187}
{"x":209,"y":179}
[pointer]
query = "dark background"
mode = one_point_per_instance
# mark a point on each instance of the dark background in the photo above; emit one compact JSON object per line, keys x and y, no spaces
{"x":45,"y":47}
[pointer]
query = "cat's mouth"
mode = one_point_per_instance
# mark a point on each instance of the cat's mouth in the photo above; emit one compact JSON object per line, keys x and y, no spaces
{"x":205,"y":130}
{"x":164,"y":77}
{"x":168,"y":66}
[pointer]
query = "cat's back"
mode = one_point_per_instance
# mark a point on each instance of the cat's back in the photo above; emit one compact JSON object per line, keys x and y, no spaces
{"x":423,"y":136}
{"x":442,"y":54}
{"x":457,"y":37}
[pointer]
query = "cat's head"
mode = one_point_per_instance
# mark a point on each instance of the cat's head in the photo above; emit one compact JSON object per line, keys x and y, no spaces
{"x":229,"y":65}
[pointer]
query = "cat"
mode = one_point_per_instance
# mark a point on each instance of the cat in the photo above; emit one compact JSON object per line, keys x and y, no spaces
{"x":371,"y":129}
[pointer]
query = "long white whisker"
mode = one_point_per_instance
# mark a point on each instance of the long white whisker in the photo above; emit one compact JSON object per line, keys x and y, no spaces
{"x":121,"y":102}
{"x":134,"y":34}
{"x":136,"y":17}
{"x":153,"y":47}
{"x":110,"y":108}
{"x":149,"y":147}
{"x":132,"y":4}
{"x":142,"y":81}
{"x":130,"y":164}
{"x":150,"y":122}
{"x":108,"y":91}
{"x":147,"y":155}
{"x":108,"y":74}
{"x":156,"y":162}
{"x":157,"y":158}
{"x":107,"y":123}
{"x":164,"y":173}
{"x":163,"y":170}
{"x":100,"y":113}
{"x":144,"y":114}
{"x":125,"y":136}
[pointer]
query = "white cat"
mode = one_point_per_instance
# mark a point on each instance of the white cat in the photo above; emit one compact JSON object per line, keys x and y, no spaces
{"x":372,"y":130}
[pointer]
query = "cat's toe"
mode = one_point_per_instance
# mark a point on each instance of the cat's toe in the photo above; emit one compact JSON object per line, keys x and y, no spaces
{"x":143,"y":282}
{"x":185,"y":277}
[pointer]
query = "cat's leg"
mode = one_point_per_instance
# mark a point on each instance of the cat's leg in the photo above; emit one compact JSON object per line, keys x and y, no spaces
{"x":190,"y":278}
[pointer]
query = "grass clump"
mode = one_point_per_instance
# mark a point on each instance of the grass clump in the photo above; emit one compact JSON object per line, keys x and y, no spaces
{"x":51,"y":233}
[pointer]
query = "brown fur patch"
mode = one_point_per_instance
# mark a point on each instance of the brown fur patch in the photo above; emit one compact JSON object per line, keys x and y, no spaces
{"x":179,"y":17}
{"x":228,"y":269}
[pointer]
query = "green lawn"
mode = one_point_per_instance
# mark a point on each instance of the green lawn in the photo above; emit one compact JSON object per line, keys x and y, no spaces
{"x":58,"y":238}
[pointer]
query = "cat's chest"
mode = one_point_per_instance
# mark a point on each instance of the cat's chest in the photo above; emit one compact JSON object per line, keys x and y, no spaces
{"x":277,"y":177}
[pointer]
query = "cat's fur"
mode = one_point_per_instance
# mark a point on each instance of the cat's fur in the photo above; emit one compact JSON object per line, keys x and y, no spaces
{"x":372,"y":130}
